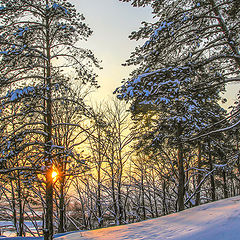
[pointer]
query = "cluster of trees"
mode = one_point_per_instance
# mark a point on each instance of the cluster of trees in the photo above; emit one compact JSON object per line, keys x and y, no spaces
{"x":38,"y":47}
{"x":175,"y":147}
{"x":191,"y":53}
{"x":114,"y":181}
{"x":146,"y":184}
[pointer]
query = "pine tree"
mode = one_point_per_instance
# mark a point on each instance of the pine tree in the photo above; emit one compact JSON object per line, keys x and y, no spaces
{"x":38,"y":45}
{"x":191,"y":52}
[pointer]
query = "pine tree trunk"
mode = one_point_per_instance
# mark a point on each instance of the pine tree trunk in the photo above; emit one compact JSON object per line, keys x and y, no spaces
{"x":225,"y":191}
{"x":62,"y":204}
{"x":199,"y":176}
{"x":233,"y":190}
{"x":164,"y":209}
{"x":212,"y":180}
{"x":155,"y":196}
{"x":181,"y":189}
{"x":237,"y":149}
{"x":181,"y":173}
{"x":48,"y":231}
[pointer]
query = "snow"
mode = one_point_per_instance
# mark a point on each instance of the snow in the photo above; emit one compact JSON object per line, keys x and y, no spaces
{"x":214,"y":221}
{"x":36,"y":238}
{"x":21,"y":31}
{"x":18,"y":93}
{"x":21,"y":238}
{"x":219,"y":220}
{"x":56,"y":6}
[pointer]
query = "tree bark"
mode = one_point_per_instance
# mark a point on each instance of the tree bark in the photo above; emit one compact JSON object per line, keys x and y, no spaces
{"x":14,"y":209}
{"x":164,"y":206}
{"x":48,"y":231}
{"x":181,"y":188}
{"x":199,"y":176}
{"x":98,"y":201}
{"x":61,"y":228}
{"x":155,"y":195}
{"x":20,"y":205}
{"x":181,"y":173}
{"x":212,"y":180}
{"x":142,"y":194}
{"x":225,"y":191}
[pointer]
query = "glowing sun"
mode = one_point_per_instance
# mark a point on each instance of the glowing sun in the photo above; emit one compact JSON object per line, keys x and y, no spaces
{"x":54,"y":174}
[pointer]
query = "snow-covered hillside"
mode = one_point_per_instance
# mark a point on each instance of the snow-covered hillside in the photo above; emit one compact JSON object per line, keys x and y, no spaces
{"x":214,"y":221}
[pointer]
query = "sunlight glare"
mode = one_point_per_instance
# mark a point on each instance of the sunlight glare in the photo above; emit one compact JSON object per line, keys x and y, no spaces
{"x":54,"y":174}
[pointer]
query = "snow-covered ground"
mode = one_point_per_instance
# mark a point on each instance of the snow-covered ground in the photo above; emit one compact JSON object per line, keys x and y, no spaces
{"x":214,"y":221}
{"x":7,"y":227}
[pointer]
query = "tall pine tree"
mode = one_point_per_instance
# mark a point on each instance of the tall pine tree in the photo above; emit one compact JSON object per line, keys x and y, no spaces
{"x":192,"y":51}
{"x":38,"y":44}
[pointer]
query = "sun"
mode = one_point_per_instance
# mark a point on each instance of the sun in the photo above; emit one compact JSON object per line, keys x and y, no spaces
{"x":54,"y":174}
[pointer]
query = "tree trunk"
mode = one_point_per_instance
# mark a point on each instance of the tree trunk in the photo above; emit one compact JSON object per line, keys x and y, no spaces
{"x":48,"y":231}
{"x":225,"y":191}
{"x":119,"y":186}
{"x":164,"y":208}
{"x":155,"y":196}
{"x":114,"y":197}
{"x":212,"y":180}
{"x":233,"y":190}
{"x":21,"y":212}
{"x":199,"y":176}
{"x":142,"y":196}
{"x":14,"y":208}
{"x":61,"y":228}
{"x":181,"y":189}
{"x":120,"y":207}
{"x":150,"y":199}
{"x":98,"y":202}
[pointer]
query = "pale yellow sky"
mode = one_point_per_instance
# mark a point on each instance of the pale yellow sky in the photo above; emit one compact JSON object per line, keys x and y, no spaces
{"x":112,"y":22}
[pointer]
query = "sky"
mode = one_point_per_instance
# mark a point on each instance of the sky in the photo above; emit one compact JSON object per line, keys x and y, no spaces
{"x":112,"y":22}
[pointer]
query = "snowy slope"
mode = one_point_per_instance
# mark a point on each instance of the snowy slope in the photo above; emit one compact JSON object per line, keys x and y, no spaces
{"x":214,"y":221}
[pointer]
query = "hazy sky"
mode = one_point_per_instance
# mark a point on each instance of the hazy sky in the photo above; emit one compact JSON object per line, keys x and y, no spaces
{"x":111,"y":21}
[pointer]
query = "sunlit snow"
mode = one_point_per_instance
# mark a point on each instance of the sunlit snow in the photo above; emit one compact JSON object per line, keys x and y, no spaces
{"x":214,"y":221}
